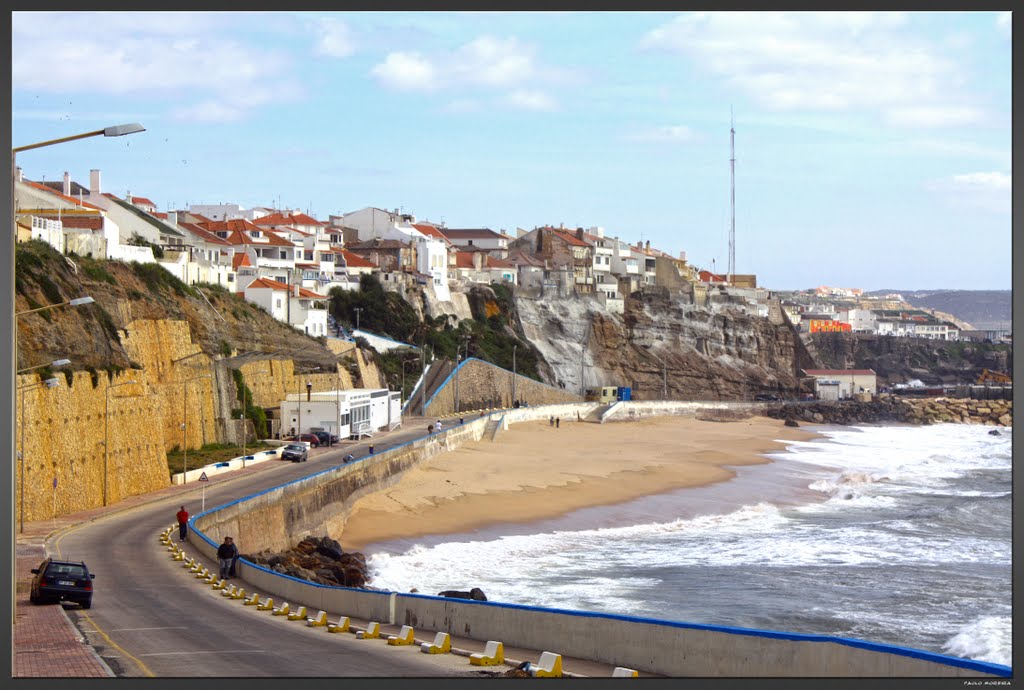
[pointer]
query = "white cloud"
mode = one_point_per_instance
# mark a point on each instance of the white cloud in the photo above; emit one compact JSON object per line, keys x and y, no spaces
{"x":526,"y":99}
{"x":406,"y":72}
{"x":485,"y":63}
{"x":665,"y":134}
{"x":335,"y":38}
{"x":990,"y":191}
{"x":1004,"y":22}
{"x":831,"y":62}
{"x":174,"y":55}
{"x":990,"y":181}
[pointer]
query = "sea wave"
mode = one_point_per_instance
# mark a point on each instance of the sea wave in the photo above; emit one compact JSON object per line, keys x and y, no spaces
{"x":988,"y":638}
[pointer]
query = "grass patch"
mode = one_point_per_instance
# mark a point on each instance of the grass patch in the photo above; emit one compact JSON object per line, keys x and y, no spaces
{"x":97,"y":272}
{"x":209,"y":454}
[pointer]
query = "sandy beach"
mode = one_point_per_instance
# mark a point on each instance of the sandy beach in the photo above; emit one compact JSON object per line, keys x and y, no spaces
{"x":534,"y":471}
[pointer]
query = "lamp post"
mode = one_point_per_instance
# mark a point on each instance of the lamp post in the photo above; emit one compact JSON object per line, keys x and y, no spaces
{"x":309,"y":390}
{"x":357,"y":310}
{"x":49,"y":383}
{"x":106,"y":434}
{"x":514,"y":374}
{"x":423,"y":368}
{"x":54,"y":363}
{"x":184,"y":423}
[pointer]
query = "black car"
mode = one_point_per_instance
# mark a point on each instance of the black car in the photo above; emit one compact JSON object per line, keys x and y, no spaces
{"x":62,"y":581}
{"x":767,"y":397}
{"x":296,"y":452}
{"x":326,"y":439}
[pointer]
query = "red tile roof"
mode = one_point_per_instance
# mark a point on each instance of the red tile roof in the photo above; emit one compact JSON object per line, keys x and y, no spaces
{"x":141,"y":200}
{"x":289,"y":219}
{"x":89,"y":222}
{"x":356,"y":261}
{"x":569,"y":237}
{"x":238,"y":227}
{"x":465,"y":260}
{"x":709,"y":277}
{"x":157,"y":214}
{"x":240,"y":259}
{"x":202,"y":233}
{"x":277,"y":285}
{"x":430,"y":231}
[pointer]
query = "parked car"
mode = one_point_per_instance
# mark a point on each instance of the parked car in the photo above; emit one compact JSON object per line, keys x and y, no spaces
{"x":62,"y":581}
{"x":326,"y":439}
{"x":767,"y":397}
{"x":312,"y":440}
{"x":296,"y":452}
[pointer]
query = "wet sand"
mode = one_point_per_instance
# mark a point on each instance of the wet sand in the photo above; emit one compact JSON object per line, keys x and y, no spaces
{"x":534,"y":472}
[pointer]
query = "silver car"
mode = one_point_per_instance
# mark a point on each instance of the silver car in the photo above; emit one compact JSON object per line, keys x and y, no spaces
{"x":296,"y":452}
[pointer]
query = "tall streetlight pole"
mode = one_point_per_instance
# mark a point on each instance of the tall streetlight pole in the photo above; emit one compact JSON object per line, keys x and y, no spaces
{"x":309,"y":390}
{"x":49,"y":383}
{"x":184,"y":424}
{"x":106,"y":435}
{"x":357,"y":310}
{"x":514,"y":374}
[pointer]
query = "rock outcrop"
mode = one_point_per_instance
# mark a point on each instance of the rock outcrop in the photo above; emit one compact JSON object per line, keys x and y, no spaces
{"x":893,"y":409}
{"x":317,"y":559}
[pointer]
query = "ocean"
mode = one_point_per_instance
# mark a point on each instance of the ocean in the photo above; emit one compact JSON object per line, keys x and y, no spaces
{"x":899,"y":535}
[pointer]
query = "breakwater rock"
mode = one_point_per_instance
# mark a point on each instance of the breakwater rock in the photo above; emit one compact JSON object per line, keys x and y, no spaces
{"x":888,"y":408}
{"x":317,"y":559}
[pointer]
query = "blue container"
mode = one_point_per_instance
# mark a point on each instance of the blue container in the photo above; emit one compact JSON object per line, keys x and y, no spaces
{"x":625,"y":393}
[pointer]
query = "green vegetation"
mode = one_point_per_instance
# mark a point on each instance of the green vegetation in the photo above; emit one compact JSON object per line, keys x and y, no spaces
{"x":158,"y":278}
{"x":95,"y":270}
{"x":254,"y":412}
{"x":137,"y":241}
{"x":208,"y":454}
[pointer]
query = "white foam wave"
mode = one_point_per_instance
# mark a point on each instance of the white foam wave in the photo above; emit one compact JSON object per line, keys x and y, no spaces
{"x":985,"y":639}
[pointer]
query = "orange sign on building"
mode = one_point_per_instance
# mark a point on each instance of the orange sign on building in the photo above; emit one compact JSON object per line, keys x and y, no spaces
{"x":827,"y":326}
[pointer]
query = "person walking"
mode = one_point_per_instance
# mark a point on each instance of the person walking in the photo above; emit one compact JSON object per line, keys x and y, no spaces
{"x":226,"y":555}
{"x":551,"y":420}
{"x":558,"y":422}
{"x":182,"y":524}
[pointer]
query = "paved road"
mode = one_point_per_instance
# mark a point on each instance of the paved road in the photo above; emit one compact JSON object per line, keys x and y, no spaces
{"x":150,"y":616}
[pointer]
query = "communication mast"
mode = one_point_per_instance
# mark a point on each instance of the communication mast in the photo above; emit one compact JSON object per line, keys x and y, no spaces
{"x":732,"y":197}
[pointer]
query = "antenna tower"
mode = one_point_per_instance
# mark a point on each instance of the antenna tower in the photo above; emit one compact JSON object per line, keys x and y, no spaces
{"x":732,"y":196}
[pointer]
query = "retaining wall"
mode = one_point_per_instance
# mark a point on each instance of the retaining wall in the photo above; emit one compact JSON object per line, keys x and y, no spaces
{"x":279,"y":517}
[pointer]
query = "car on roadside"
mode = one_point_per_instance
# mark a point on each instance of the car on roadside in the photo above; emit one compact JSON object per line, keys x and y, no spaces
{"x":311,"y":439}
{"x":296,"y":452}
{"x":767,"y":397}
{"x":326,"y":439}
{"x":57,"y":581}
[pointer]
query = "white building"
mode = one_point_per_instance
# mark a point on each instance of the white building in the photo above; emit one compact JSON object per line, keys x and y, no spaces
{"x":301,"y":308}
{"x":839,"y":384}
{"x":348,"y":413}
{"x":860,"y":320}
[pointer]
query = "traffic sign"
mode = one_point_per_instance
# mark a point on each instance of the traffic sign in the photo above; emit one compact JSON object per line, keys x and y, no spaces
{"x":203,"y":477}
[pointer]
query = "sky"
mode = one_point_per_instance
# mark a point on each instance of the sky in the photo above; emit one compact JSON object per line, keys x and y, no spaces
{"x":872,"y":149}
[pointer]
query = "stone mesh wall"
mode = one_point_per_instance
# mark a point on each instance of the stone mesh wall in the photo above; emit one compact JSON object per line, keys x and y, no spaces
{"x":482,"y":385}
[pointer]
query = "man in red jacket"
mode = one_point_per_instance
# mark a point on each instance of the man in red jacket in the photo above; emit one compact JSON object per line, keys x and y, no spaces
{"x":182,"y":524}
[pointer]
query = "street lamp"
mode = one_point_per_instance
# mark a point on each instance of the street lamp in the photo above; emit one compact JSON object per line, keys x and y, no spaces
{"x":77,"y":302}
{"x":54,"y":363}
{"x":184,"y":424}
{"x":357,"y":310}
{"x":106,"y":437}
{"x":49,"y":383}
{"x":309,"y":390}
{"x":514,"y":398}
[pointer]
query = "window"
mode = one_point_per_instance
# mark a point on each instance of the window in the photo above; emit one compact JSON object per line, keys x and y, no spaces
{"x":278,"y":302}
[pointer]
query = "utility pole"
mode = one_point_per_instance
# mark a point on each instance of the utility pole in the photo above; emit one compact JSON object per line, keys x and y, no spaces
{"x":732,"y":196}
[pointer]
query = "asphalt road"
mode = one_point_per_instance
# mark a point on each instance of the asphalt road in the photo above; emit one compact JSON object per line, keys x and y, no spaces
{"x":151,"y":617}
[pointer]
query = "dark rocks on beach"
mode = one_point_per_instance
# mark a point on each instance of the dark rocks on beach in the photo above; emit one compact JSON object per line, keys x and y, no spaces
{"x":476,"y":594}
{"x":791,"y":422}
{"x":317,"y":559}
{"x":994,"y":432}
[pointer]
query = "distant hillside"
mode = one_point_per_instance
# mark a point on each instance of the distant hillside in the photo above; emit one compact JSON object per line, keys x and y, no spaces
{"x":983,"y":309}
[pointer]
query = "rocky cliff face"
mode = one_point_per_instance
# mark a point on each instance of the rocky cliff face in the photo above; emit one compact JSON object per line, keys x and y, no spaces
{"x":897,"y":360}
{"x":660,"y":343}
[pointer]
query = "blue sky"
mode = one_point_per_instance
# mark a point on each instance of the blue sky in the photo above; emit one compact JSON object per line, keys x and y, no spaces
{"x":873,"y":149}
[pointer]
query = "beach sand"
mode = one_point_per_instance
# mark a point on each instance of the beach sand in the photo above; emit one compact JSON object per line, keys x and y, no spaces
{"x":534,"y":471}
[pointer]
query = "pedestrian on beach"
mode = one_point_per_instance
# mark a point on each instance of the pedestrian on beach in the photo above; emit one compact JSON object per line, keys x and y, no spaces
{"x":226,"y":555}
{"x":558,"y":422}
{"x":182,"y":524}
{"x":551,"y":420}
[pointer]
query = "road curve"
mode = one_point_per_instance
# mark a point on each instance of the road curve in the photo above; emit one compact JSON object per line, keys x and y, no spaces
{"x":151,"y":617}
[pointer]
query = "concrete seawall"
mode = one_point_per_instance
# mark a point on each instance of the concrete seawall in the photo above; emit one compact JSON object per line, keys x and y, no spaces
{"x":318,"y":504}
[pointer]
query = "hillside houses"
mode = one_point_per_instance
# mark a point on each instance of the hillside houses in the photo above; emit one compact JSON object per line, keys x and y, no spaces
{"x":288,"y":262}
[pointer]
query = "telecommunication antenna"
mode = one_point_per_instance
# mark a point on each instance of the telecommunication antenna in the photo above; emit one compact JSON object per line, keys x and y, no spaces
{"x":732,"y":196}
